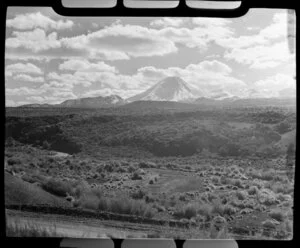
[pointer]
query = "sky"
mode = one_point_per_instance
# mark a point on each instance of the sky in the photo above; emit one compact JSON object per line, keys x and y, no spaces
{"x":50,"y":58}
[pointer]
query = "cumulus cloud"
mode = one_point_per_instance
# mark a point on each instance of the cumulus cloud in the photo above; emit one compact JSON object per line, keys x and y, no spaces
{"x":117,"y":41}
{"x":28,"y":78}
{"x":37,"y":20}
{"x":22,"y":91}
{"x":86,"y":66}
{"x":261,"y":57}
{"x":68,"y":78}
{"x":275,"y":85}
{"x":267,"y":48}
{"x":22,"y":68}
{"x":263,"y":36}
{"x":167,"y":22}
{"x":36,"y":40}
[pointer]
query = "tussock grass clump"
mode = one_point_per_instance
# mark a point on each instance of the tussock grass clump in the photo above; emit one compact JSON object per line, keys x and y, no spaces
{"x":16,"y":229}
{"x":188,"y":211}
{"x":89,"y":201}
{"x":124,"y":205}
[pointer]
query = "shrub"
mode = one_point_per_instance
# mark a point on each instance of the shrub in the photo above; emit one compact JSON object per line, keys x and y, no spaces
{"x":217,"y":208}
{"x":266,"y":197}
{"x":268,"y":175}
{"x":136,"y":176}
{"x":138,"y":194}
{"x":229,"y":210}
{"x":182,"y":197}
{"x":89,"y":201}
{"x":205,"y":210}
{"x":277,"y":215}
{"x":149,"y":199}
{"x":124,"y":205}
{"x":215,"y":180}
{"x":238,"y":183}
{"x":241,"y":195}
{"x":13,"y":161}
{"x":131,"y":169}
{"x":270,"y":224}
{"x":56,"y":187}
{"x":282,"y":188}
{"x":253,"y":190}
{"x":188,"y":211}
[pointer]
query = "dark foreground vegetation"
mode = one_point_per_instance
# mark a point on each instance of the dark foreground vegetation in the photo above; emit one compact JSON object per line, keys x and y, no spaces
{"x":190,"y":166}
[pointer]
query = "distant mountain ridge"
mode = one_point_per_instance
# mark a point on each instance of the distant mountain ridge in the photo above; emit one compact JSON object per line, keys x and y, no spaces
{"x":94,"y":102}
{"x":174,"y":89}
{"x":87,"y":102}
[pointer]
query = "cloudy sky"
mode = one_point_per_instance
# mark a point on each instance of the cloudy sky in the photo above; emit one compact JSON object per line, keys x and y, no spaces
{"x":51,"y":58}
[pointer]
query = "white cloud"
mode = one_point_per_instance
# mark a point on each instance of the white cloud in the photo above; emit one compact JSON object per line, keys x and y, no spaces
{"x":22,"y":68}
{"x":167,"y":22}
{"x":275,"y":83}
{"x":35,"y":40}
{"x":261,"y":57}
{"x":86,"y":66}
{"x":67,"y":78}
{"x":115,"y":42}
{"x":22,"y":91}
{"x":211,"y":22}
{"x":28,"y":78}
{"x":37,"y":20}
{"x":264,"y":36}
{"x":108,"y":91}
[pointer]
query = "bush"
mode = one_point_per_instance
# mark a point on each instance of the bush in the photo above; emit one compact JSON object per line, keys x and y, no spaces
{"x":238,"y":183}
{"x":241,"y":195}
{"x":277,"y":215}
{"x":124,"y":205}
{"x":56,"y":187}
{"x":188,"y":211}
{"x":229,"y":210}
{"x":89,"y":201}
{"x":13,"y":161}
{"x":253,"y":190}
{"x":217,"y":208}
{"x":131,"y":169}
{"x":136,"y":176}
{"x":138,"y":194}
{"x":215,"y":180}
{"x":205,"y":210}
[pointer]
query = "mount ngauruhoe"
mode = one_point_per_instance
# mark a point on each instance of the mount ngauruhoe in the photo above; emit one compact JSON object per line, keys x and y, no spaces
{"x":168,"y":89}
